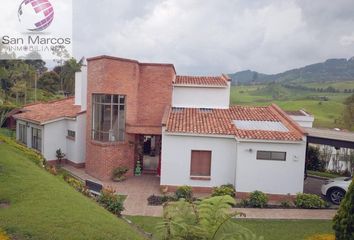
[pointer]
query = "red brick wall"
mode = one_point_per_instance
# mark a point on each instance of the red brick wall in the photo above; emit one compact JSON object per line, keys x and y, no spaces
{"x":155,"y":93}
{"x":148,"y":90}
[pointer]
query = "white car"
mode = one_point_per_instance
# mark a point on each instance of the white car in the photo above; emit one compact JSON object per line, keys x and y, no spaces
{"x":335,"y":189}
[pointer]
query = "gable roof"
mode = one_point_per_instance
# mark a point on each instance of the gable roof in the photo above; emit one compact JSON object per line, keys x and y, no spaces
{"x":221,"y":122}
{"x":49,"y":111}
{"x":216,"y":81}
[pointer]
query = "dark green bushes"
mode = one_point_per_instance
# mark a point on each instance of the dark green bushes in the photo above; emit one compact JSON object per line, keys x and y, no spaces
{"x":223,"y":190}
{"x":344,"y":219}
{"x":184,"y":192}
{"x":305,"y":200}
{"x":111,"y":201}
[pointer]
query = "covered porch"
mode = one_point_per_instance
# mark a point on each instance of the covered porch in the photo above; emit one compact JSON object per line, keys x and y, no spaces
{"x":148,"y":151}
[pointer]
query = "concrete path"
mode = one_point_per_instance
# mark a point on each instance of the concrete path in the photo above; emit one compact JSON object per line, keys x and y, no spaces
{"x":138,"y":189}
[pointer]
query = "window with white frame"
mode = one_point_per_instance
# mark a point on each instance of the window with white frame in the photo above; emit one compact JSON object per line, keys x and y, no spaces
{"x":271,"y":155}
{"x":22,"y":133}
{"x":37,"y":139}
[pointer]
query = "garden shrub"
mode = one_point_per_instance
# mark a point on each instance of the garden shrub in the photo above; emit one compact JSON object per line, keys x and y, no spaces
{"x":258,"y":199}
{"x":77,"y":184}
{"x":119,"y":173}
{"x":321,"y":237}
{"x":3,"y":235}
{"x":244,"y":203}
{"x":306,"y":200}
{"x":184,"y":192}
{"x":344,"y":219}
{"x":223,"y":190}
{"x":111,"y":201}
{"x":156,"y":200}
{"x":285,"y":204}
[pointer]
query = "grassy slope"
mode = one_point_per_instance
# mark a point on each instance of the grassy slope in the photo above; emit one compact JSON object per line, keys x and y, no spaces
{"x":327,"y":113}
{"x":337,"y":85}
{"x":45,"y":207}
{"x":269,"y":229}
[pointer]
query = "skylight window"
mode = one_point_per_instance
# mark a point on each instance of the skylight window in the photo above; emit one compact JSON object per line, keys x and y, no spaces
{"x":177,"y":109}
{"x":205,"y":110}
{"x":260,"y":125}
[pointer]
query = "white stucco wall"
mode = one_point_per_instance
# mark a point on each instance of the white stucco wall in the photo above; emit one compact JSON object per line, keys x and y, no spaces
{"x":303,"y":121}
{"x":176,"y":160}
{"x":275,"y":177}
{"x":84,"y":88}
{"x":234,"y":162}
{"x":76,"y":148}
{"x":81,"y":88}
{"x":54,"y":138}
{"x":201,"y":97}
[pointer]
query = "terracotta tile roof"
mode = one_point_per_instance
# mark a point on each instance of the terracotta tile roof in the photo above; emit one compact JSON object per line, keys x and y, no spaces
{"x":44,"y":112}
{"x":219,"y":81}
{"x":220,"y":122}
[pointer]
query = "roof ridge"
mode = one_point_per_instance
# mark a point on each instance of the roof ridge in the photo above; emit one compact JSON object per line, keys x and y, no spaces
{"x":289,"y":120}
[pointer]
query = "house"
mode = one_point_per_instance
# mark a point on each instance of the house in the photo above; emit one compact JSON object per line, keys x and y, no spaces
{"x":125,"y":111}
{"x":59,"y":124}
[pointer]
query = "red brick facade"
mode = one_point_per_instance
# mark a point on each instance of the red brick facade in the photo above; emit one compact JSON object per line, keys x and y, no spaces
{"x":148,"y":90}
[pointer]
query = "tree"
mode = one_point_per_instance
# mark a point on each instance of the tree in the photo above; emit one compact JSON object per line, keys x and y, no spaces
{"x":348,"y":114}
{"x":313,"y":159}
{"x":69,"y":69}
{"x":49,"y":81}
{"x":344,"y":219}
{"x":66,"y":74}
{"x":34,"y":59}
{"x":209,"y":219}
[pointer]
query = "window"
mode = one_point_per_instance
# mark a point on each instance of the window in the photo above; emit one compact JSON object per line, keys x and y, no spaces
{"x":108,"y":117}
{"x":270,"y":155}
{"x":37,"y":139}
{"x":22,"y":133}
{"x":201,"y":163}
{"x":71,"y":134}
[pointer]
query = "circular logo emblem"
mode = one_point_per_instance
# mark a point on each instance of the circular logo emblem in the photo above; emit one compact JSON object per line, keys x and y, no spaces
{"x":35,"y":15}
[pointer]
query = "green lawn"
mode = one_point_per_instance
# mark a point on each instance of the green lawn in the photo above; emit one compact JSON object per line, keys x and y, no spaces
{"x":337,"y":85}
{"x":327,"y":113}
{"x":323,"y":174}
{"x":44,"y":207}
{"x":269,"y":229}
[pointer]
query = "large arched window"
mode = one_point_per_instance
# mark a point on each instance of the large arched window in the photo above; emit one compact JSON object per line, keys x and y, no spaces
{"x":108,"y":117}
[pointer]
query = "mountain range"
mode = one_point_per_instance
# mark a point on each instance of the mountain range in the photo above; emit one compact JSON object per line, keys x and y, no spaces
{"x":339,"y":69}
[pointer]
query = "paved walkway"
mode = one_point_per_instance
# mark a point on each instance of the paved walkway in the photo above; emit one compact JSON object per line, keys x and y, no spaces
{"x":138,"y":189}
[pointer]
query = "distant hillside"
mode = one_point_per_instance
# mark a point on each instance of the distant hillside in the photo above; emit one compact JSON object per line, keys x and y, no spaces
{"x":330,"y":70}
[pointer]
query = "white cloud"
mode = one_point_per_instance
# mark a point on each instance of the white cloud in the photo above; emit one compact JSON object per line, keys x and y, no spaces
{"x":347,"y":40}
{"x":210,"y":36}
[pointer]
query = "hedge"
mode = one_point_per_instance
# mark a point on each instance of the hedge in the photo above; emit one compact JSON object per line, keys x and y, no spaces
{"x":33,"y":155}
